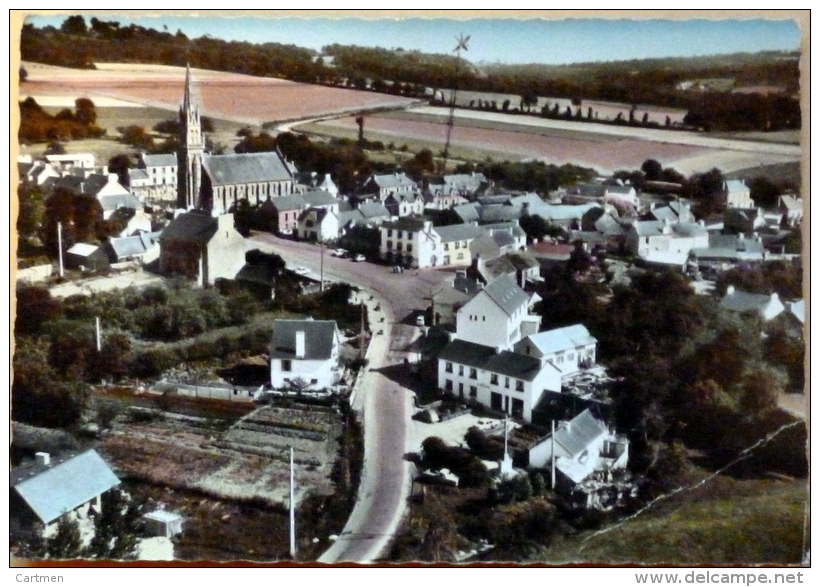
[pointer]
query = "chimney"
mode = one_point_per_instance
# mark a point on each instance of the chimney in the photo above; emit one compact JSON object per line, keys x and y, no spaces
{"x":43,"y":458}
{"x":300,"y":344}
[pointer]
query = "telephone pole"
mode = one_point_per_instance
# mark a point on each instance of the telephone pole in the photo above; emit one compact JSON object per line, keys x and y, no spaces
{"x":292,"y":512}
{"x":60,"y":246}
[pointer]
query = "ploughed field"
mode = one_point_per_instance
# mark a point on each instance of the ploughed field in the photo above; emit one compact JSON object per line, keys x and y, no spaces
{"x":243,"y":98}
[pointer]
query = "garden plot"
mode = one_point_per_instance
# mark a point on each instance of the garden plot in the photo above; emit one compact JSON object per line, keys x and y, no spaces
{"x":248,"y":461}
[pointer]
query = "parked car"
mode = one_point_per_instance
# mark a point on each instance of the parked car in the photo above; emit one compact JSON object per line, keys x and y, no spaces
{"x":339,"y":253}
{"x":359,"y":258}
{"x":420,"y":320}
{"x":301,"y":270}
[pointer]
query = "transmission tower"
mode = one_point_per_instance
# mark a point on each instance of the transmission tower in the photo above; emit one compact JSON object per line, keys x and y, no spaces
{"x":462,"y":44}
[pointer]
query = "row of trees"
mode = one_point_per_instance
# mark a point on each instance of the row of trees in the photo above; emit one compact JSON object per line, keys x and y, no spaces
{"x":38,"y":126}
{"x":76,"y":44}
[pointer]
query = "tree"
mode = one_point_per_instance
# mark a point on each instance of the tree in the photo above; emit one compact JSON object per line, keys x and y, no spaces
{"x":135,"y":136}
{"x":120,"y":164}
{"x":23,"y":74}
{"x":86,"y":112}
{"x":66,"y":543}
{"x":55,"y":148}
{"x":74,"y":25}
{"x":652,"y":170}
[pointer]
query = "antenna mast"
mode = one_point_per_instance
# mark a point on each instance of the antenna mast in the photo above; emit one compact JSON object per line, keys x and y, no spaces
{"x":462,"y":44}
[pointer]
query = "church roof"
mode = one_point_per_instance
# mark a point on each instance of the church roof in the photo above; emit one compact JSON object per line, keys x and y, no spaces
{"x":246,"y":168}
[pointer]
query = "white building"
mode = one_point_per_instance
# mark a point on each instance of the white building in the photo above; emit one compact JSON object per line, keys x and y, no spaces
{"x":569,"y":349}
{"x":304,"y":354}
{"x":501,"y":380}
{"x":767,"y":306}
{"x":497,"y":316}
{"x":664,"y":241}
{"x":738,"y":194}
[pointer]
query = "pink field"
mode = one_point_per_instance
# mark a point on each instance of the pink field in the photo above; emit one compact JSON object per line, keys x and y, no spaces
{"x":606,"y":154}
{"x":223,"y":95}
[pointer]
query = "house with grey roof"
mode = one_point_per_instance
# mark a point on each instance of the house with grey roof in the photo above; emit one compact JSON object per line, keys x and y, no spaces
{"x":664,"y":242}
{"x":791,"y":207}
{"x":519,"y":265}
{"x":570,"y":349}
{"x":467,"y":212}
{"x":498,"y":315}
{"x":451,"y":297}
{"x":675,"y":211}
{"x":738,"y":194}
{"x":743,"y":220}
{"x":142,"y":248}
{"x":45,"y":490}
{"x":741,"y":302}
{"x":582,"y":448}
{"x":404,"y":204}
{"x":318,"y":224}
{"x":87,"y":257}
{"x":726,"y":251}
{"x":381,"y":186}
{"x":155,"y":179}
{"x":499,"y":379}
{"x":625,"y":194}
{"x":201,"y":247}
{"x":105,"y":188}
{"x":304,"y":354}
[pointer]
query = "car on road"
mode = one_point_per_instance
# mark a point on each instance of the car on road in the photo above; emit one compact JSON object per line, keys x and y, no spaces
{"x":359,"y":258}
{"x":420,"y":320}
{"x":338,"y":253}
{"x":300,"y":270}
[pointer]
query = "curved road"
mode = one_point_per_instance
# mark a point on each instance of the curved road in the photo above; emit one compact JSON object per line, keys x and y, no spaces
{"x":384,"y":406}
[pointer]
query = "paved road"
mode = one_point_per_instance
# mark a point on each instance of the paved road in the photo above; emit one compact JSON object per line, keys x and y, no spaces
{"x":384,"y":405}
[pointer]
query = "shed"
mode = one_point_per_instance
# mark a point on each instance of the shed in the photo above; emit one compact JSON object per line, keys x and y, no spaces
{"x":163,"y":523}
{"x":88,"y":257}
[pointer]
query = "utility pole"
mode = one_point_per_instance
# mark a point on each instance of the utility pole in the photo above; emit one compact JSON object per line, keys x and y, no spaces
{"x":60,"y":245}
{"x":552,"y":468}
{"x":322,"y":265}
{"x":292,"y":512}
{"x":99,"y":335}
{"x":361,"y":331}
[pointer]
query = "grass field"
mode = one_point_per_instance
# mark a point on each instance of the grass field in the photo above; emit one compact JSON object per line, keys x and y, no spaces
{"x":727,"y":521}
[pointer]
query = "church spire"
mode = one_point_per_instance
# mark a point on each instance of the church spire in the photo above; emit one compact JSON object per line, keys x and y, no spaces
{"x":193,"y":148}
{"x":187,"y":100}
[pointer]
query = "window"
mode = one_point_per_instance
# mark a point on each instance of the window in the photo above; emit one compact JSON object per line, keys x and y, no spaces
{"x":494,"y":379}
{"x":461,"y":369}
{"x":314,"y":381}
{"x":570,"y":357}
{"x":473,"y":373}
{"x":473,"y":391}
{"x":448,"y":385}
{"x":446,"y":246}
{"x":507,"y":382}
{"x":286,"y":365}
{"x":559,"y":358}
{"x":389,"y":245}
{"x":409,"y":248}
{"x":399,"y":235}
{"x":389,"y":233}
{"x":398,"y":247}
{"x":495,"y":401}
{"x":460,"y":256}
{"x":460,"y":390}
{"x":448,"y":367}
{"x":519,"y":385}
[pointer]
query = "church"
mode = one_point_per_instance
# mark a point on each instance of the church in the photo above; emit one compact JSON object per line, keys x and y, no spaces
{"x":215,"y":183}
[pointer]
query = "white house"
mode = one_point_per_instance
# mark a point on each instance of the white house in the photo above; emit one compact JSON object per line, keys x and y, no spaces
{"x":304,"y":353}
{"x":664,"y":241}
{"x":155,"y":178}
{"x":501,"y":380}
{"x":767,"y":306}
{"x":318,"y":224}
{"x":497,"y":316}
{"x":381,"y":186}
{"x":452,"y":244}
{"x":738,"y":194}
{"x":621,"y":193}
{"x":408,"y":241}
{"x":583,"y":446}
{"x":569,"y":349}
{"x":69,"y":160}
{"x":409,"y":204}
{"x":792,"y":207}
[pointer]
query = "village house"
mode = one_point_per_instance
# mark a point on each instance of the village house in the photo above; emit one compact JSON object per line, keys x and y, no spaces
{"x":304,"y":354}
{"x":498,"y":315}
{"x":415,"y":242}
{"x":34,"y":172}
{"x":625,"y":194}
{"x":675,"y":211}
{"x":451,"y":188}
{"x":401,"y":205}
{"x":201,"y":247}
{"x":451,"y":297}
{"x":68,"y":161}
{"x":741,"y":302}
{"x":47,"y":489}
{"x":380,"y":186}
{"x":105,"y":188}
{"x":570,"y":349}
{"x":738,"y":194}
{"x":499,"y":379}
{"x":792,"y":209}
{"x":142,"y":248}
{"x":665,"y":242}
{"x":318,"y":224}
{"x":452,"y":244}
{"x":583,"y":448}
{"x":284,"y":212}
{"x":743,"y":220}
{"x":519,"y":265}
{"x":155,"y":178}
{"x":726,"y":251}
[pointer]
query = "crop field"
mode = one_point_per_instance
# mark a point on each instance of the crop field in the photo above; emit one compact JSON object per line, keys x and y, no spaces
{"x":241,"y":98}
{"x":603,"y":147}
{"x":249,"y":460}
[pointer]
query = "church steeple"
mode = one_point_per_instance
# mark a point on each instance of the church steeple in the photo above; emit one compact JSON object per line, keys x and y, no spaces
{"x":193,"y":148}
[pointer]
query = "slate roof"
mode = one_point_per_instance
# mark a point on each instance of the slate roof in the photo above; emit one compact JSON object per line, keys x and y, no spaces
{"x":729,"y":246}
{"x":117,"y":201}
{"x":791,"y":202}
{"x":50,"y":491}
{"x":83,"y":186}
{"x":373,"y":210}
{"x":319,"y":198}
{"x":506,"y":293}
{"x":83,"y":249}
{"x":160,"y":160}
{"x":393,"y":180}
{"x":286,"y":203}
{"x":137,"y":174}
{"x":485,"y":357}
{"x":458,"y":232}
{"x":195,"y":226}
{"x":351,"y":217}
{"x":512,"y":228}
{"x":319,"y":338}
{"x":130,"y":246}
{"x":741,"y":301}
{"x":467,"y":212}
{"x":562,"y":339}
{"x":577,"y":434}
{"x":798,"y":308}
{"x":246,"y":168}
{"x":682,"y":229}
{"x":609,"y":226}
{"x":498,"y":213}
